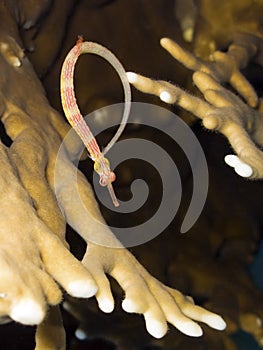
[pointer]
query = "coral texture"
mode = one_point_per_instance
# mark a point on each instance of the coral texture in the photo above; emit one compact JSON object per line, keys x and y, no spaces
{"x":222,"y":110}
{"x":34,"y":252}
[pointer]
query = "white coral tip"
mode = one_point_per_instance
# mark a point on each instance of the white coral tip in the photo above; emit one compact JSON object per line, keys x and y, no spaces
{"x":244,"y":170}
{"x":232,"y":160}
{"x":28,"y":312}
{"x":164,"y":41}
{"x":216,"y":322}
{"x":106,"y":305}
{"x":82,"y":289}
{"x":190,"y":328}
{"x":129,"y":306}
{"x":16,"y":61}
{"x":132,"y":77}
{"x":166,"y":97}
{"x":241,"y":168}
{"x":155,"y":328}
{"x":80,"y":334}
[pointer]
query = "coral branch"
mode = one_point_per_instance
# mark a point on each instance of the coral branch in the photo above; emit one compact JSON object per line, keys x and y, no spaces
{"x":224,"y":67}
{"x":34,"y":258}
{"x":105,"y":255}
{"x":222,"y":110}
{"x":159,"y":305}
{"x":27,"y":287}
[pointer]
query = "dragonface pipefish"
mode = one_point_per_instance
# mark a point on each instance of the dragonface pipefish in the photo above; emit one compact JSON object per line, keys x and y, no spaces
{"x":75,"y":118}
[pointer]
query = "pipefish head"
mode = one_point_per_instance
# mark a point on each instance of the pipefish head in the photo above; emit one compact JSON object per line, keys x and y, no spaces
{"x":102,"y":167}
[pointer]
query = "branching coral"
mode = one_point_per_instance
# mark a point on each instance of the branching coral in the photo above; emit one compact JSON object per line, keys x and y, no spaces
{"x":222,"y":111}
{"x":32,"y":225}
{"x":33,"y":248}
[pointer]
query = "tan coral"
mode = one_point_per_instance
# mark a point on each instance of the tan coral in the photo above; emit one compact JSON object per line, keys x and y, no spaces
{"x":37,"y":130}
{"x":27,"y":245}
{"x":222,"y":111}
